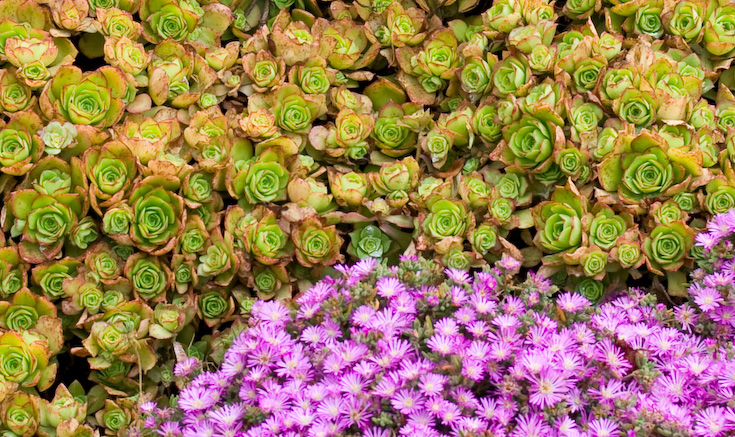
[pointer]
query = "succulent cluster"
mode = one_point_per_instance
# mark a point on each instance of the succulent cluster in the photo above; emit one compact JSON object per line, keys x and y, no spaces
{"x":164,"y":164}
{"x":411,"y":350}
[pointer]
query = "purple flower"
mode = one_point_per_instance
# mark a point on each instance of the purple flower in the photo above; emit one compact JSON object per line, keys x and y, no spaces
{"x":708,"y":299}
{"x":407,"y":401}
{"x":712,"y":422}
{"x":390,"y":287}
{"x":548,"y":388}
{"x":460,"y":277}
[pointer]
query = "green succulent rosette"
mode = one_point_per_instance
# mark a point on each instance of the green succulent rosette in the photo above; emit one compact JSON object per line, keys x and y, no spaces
{"x":720,"y":196}
{"x":147,"y":137}
{"x":667,"y":247}
{"x":316,"y":245}
{"x":44,"y":222}
{"x":606,"y":227}
{"x":214,"y":307}
{"x":483,"y":238}
{"x":345,"y":44}
{"x":592,"y":289}
{"x":115,"y":416}
{"x":170,"y":319}
{"x":686,"y":19}
{"x":529,"y":144}
{"x":392,"y":134}
{"x":117,"y":221}
{"x":368,"y":242}
{"x":25,"y":360}
{"x":50,"y":276}
{"x":67,"y":403}
{"x":12,"y":272}
{"x":433,"y":65}
{"x":83,"y":295}
{"x":314,"y":77}
{"x":558,"y":222}
{"x":149,"y":276}
{"x":259,"y":235}
{"x":193,"y":238}
{"x":347,"y":137}
{"x":15,"y":95}
{"x":474,"y":191}
{"x":665,"y":213}
{"x":158,"y":214}
{"x":310,"y":192}
{"x":96,"y":98}
{"x":169,"y":19}
{"x":719,"y":33}
{"x":484,"y":125}
{"x":445,"y":220}
{"x":264,"y":71}
{"x":263,"y":178}
{"x":476,"y":76}
{"x":511,"y":184}
{"x":104,"y":263}
{"x":351,"y":189}
{"x":643,"y":167}
{"x":271,"y":282}
{"x":25,"y":310}
{"x":19,"y":413}
{"x":219,"y":261}
{"x":177,"y":75}
{"x":20,"y":144}
{"x":184,"y":273}
{"x":295,"y":111}
{"x":396,"y":180}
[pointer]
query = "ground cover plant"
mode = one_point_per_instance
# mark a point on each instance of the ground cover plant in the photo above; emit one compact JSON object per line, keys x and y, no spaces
{"x":167,"y":164}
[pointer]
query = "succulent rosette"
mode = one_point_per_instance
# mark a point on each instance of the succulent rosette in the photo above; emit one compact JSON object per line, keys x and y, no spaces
{"x":368,"y":242}
{"x":529,"y":144}
{"x":263,"y":178}
{"x":432,"y":66}
{"x":177,"y":75}
{"x":316,"y":244}
{"x":643,"y":167}
{"x":50,"y":276}
{"x":311,"y":192}
{"x":13,"y":271}
{"x":158,"y":214}
{"x":15,"y":95}
{"x":271,"y":282}
{"x":19,"y":413}
{"x":393,"y":134}
{"x":264,"y":71}
{"x":67,"y":403}
{"x":25,"y":360}
{"x":667,"y":247}
{"x":170,"y":319}
{"x":218,"y":262}
{"x":345,"y":44}
{"x":25,"y":310}
{"x":20,"y":143}
{"x":214,"y":307}
{"x":720,"y":196}
{"x":347,"y":137}
{"x":44,"y":222}
{"x":719,"y":35}
{"x":294,"y":110}
{"x":559,"y":225}
{"x":349,"y":189}
{"x":445,"y":221}
{"x":396,"y":180}
{"x":169,"y":19}
{"x":110,"y":171}
{"x":95,"y":98}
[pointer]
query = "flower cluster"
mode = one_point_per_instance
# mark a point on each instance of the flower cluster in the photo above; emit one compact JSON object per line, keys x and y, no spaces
{"x":412,"y":350}
{"x":711,"y":290}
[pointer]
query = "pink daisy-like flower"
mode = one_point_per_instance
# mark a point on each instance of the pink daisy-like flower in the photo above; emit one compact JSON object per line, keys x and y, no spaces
{"x":407,"y":401}
{"x":706,"y":240}
{"x":548,"y":388}
{"x":389,"y":287}
{"x":708,"y":299}
{"x":602,"y":427}
{"x":572,"y":302}
{"x":711,"y":422}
